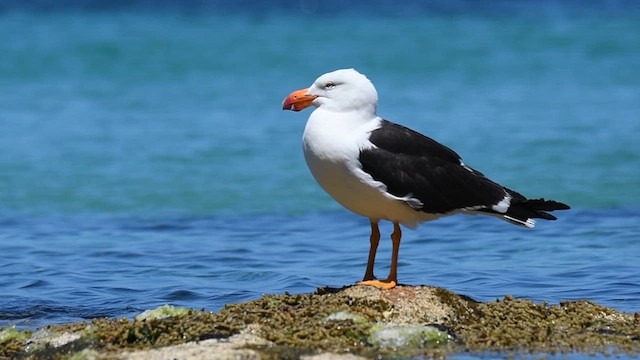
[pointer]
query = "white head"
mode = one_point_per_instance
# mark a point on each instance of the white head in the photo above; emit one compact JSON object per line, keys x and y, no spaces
{"x":341,"y":91}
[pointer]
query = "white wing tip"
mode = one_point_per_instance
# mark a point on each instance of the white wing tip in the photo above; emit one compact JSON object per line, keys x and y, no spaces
{"x":530,"y":223}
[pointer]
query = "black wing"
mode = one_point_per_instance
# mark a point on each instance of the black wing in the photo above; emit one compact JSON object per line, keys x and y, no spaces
{"x":408,"y":162}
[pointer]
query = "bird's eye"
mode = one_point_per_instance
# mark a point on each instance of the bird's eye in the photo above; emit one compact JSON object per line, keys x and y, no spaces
{"x":329,"y":86}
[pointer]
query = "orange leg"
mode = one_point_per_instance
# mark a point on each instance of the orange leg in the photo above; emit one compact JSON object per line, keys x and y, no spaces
{"x":392,"y":280}
{"x":395,"y":238}
{"x":374,"y":240}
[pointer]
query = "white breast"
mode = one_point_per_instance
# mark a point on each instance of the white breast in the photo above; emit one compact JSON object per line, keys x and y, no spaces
{"x":331,"y":144}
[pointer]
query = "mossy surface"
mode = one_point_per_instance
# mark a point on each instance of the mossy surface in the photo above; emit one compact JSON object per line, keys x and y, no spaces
{"x":12,"y":341}
{"x":343,"y":320}
{"x":521,"y":325}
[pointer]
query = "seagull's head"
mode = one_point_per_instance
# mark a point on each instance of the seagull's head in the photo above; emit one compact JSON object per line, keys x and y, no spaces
{"x":341,"y":90}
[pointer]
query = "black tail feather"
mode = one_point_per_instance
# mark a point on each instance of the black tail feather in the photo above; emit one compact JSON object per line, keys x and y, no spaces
{"x":535,"y":209}
{"x":544,"y":205}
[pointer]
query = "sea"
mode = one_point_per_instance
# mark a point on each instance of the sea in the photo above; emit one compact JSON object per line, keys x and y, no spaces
{"x":145,"y":158}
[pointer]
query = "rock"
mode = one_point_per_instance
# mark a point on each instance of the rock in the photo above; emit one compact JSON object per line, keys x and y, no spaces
{"x":332,"y":356}
{"x":10,"y":334}
{"x":407,"y":337}
{"x":162,"y":312}
{"x":232,"y":348}
{"x":346,"y":323}
{"x":344,"y":315}
{"x":44,"y":337}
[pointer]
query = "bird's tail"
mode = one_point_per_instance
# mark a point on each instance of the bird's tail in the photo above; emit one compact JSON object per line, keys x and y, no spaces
{"x":524,"y":212}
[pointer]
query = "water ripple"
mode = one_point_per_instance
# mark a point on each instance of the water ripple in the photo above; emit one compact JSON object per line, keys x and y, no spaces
{"x":114,"y":271}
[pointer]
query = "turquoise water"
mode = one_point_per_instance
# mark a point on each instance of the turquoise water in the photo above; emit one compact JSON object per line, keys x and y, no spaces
{"x":145,"y":158}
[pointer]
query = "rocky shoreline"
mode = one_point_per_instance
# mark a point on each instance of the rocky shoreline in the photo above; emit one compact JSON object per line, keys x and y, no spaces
{"x":349,"y":323}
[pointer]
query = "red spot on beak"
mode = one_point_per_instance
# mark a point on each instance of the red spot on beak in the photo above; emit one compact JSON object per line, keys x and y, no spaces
{"x":298,"y":100}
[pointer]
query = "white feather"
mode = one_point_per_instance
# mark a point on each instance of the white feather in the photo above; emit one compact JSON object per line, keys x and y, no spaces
{"x":530,"y":223}
{"x":503,"y":205}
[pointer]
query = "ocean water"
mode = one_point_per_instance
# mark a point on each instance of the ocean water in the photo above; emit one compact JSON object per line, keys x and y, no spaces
{"x":145,"y":158}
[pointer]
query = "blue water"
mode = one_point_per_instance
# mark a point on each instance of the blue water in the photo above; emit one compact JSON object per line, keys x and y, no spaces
{"x":145,"y":159}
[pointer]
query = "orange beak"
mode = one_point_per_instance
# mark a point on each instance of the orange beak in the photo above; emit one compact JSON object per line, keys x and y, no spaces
{"x":298,"y":100}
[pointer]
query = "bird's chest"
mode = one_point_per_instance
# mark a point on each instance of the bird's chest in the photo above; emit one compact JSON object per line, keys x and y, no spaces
{"x":331,"y":151}
{"x":332,"y":145}
{"x":343,"y":180}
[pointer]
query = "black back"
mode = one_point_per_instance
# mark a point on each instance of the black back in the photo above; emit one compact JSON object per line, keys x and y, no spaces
{"x":408,"y":162}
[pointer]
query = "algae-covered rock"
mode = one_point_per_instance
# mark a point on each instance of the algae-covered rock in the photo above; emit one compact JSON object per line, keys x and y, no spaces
{"x":345,"y":315}
{"x":232,"y":348}
{"x":162,"y":312}
{"x":47,"y":337}
{"x":86,"y":354}
{"x":12,"y":342}
{"x":407,"y":337}
{"x":357,"y":320}
{"x":522,"y":325}
{"x":10,"y":333}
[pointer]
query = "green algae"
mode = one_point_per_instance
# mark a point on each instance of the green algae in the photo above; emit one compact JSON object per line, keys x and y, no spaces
{"x":10,"y":334}
{"x":524,"y":326}
{"x":464,"y":309}
{"x":407,"y":337}
{"x":12,"y":341}
{"x":114,"y":335}
{"x":162,"y":312}
{"x":299,"y":321}
{"x":340,"y":322}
